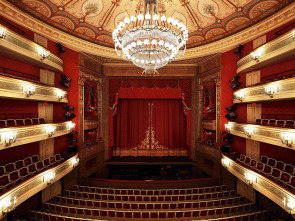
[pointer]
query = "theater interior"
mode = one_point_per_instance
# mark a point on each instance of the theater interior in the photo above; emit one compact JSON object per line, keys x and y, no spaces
{"x":147,"y":110}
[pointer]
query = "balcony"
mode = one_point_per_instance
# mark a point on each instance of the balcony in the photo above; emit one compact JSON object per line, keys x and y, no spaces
{"x":276,"y":90}
{"x":14,"y":197}
{"x":278,"y":50}
{"x":15,"y":136}
{"x":20,"y":48}
{"x":269,"y":188}
{"x":26,"y":90}
{"x":278,"y":136}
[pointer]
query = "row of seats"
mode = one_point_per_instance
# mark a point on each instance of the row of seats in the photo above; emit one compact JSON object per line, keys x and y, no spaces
{"x":149,"y":206}
{"x":274,"y":122}
{"x":276,"y":170}
{"x":21,"y":122}
{"x":144,"y":192}
{"x":151,"y":198}
{"x":38,"y":215}
{"x":101,"y":213}
{"x":13,"y":173}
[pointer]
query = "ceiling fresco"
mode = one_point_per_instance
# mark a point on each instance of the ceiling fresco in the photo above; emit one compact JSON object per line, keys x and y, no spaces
{"x":206,"y":20}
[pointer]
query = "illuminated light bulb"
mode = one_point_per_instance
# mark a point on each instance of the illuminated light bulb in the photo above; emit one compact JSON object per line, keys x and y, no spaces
{"x":139,"y":42}
{"x":146,"y":41}
{"x":147,"y":16}
{"x":153,"y":62}
{"x":180,"y":25}
{"x":154,"y":41}
{"x":161,"y":42}
{"x":122,"y":24}
{"x":158,"y":61}
{"x":156,"y":17}
{"x":133,"y":44}
{"x":142,"y":61}
{"x":126,"y":20}
{"x":175,"y":22}
{"x":163,"y":18}
{"x":140,"y":17}
{"x":137,"y":60}
{"x":170,"y":20}
{"x":167,"y":44}
{"x":132,"y":18}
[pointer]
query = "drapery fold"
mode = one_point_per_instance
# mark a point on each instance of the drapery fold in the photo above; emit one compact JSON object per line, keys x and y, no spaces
{"x":150,"y":127}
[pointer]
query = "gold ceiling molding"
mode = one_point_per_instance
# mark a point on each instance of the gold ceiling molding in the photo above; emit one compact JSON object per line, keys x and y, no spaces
{"x":15,"y":14}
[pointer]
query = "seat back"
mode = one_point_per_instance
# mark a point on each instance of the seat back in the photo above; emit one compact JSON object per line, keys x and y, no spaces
{"x":9,"y":167}
{"x":35,"y":121}
{"x":20,"y":122}
{"x":3,"y":123}
{"x":28,"y":121}
{"x":271,"y":162}
{"x":264,"y":159}
{"x":272,"y":122}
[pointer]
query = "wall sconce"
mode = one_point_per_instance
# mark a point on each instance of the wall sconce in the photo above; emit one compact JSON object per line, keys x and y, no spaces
{"x":75,"y":162}
{"x":225,"y":162}
{"x":256,"y":55}
{"x":248,"y":131}
{"x":7,"y":206}
{"x":271,"y":90}
{"x":60,"y":94}
{"x":49,"y":177}
{"x":250,"y":178}
{"x":50,"y":131}
{"x":29,"y":90}
{"x":2,"y":32}
{"x":43,"y":53}
{"x":240,"y":95}
{"x":71,"y":126}
{"x":287,"y":138}
{"x":227,"y":127}
{"x":8,"y":137}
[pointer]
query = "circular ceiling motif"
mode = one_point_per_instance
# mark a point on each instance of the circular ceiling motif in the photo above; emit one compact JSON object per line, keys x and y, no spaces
{"x":93,"y":20}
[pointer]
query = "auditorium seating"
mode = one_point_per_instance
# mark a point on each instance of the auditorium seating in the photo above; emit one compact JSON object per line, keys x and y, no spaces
{"x":276,"y":170}
{"x":13,"y":173}
{"x":21,"y":122}
{"x":84,"y":203}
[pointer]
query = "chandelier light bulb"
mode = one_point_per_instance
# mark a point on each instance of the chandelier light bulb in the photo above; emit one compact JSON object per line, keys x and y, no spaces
{"x":156,"y":17}
{"x":126,"y":20}
{"x":161,"y":42}
{"x":180,"y":25}
{"x":175,"y":22}
{"x":137,"y":60}
{"x":163,"y":18}
{"x":158,"y":61}
{"x":146,"y":41}
{"x":153,"y":62}
{"x":132,"y":18}
{"x":154,"y":41}
{"x":142,"y":61}
{"x":140,"y":17}
{"x":139,"y":42}
{"x":119,"y":28}
{"x":133,"y":44}
{"x":147,"y":16}
{"x":167,"y":44}
{"x":170,"y":20}
{"x":122,"y":24}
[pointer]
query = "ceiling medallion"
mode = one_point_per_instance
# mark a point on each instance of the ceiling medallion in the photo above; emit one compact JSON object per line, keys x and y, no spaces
{"x":149,"y":41}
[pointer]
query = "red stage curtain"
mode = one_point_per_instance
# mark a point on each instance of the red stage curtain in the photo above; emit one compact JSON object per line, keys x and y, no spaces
{"x":168,"y":123}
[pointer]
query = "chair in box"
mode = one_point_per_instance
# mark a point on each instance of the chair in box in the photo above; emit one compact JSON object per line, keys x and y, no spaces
{"x":267,"y":170}
{"x":20,"y":122}
{"x":276,"y":174}
{"x":42,"y":121}
{"x":9,"y":167}
{"x":19,"y":164}
{"x":35,"y":158}
{"x":28,"y":121}
{"x":82,"y":203}
{"x":195,"y":213}
{"x":27,"y":161}
{"x":4,"y":182}
{"x":84,"y":195}
{"x":145,"y":215}
{"x":291,"y":184}
{"x":154,"y":215}
{"x":264,"y":159}
{"x":280,"y":123}
{"x":280,"y":165}
{"x":247,"y":161}
{"x":52,"y":160}
{"x":137,"y":215}
{"x":264,"y":121}
{"x":87,"y":212}
{"x":32,"y":169}
{"x":203,"y":212}
{"x":289,"y":168}
{"x":242,"y":158}
{"x":271,"y":162}
{"x":260,"y":166}
{"x":188,"y":205}
{"x":289,"y":123}
{"x":23,"y":173}
{"x":39,"y":165}
{"x":188,"y":197}
{"x":253,"y":164}
{"x":258,"y":121}
{"x":3,"y":123}
{"x":35,"y":121}
{"x":10,"y":122}
{"x":272,"y":122}
{"x":128,"y":214}
{"x":14,"y":177}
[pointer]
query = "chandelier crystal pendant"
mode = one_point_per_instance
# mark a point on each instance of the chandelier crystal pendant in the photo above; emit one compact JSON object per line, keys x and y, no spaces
{"x":150,"y":41}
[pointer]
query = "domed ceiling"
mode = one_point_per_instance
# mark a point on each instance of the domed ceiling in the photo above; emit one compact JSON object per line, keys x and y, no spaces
{"x":206,"y":20}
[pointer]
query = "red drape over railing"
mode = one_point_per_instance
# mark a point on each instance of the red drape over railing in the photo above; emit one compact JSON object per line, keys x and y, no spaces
{"x":150,"y":127}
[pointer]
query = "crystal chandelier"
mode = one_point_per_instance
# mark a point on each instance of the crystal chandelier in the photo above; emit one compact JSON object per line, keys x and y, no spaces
{"x":150,"y":41}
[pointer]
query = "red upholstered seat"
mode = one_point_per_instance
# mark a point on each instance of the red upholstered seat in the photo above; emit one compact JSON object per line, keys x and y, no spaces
{"x":136,"y":215}
{"x":23,"y":172}
{"x":163,"y":215}
{"x":253,"y":163}
{"x":226,"y":210}
{"x":96,"y":204}
{"x":103,"y":213}
{"x":154,"y":215}
{"x":35,"y":121}
{"x":158,"y":206}
{"x":4,"y":181}
{"x":280,"y":123}
{"x":204,"y":213}
{"x":52,"y":160}
{"x":289,"y":168}
{"x":28,"y":161}
{"x":14,"y":177}
{"x":280,"y":165}
{"x":19,"y":164}
{"x":2,"y":171}
{"x":187,"y":214}
{"x":165,"y":206}
{"x":28,"y":121}
{"x":260,"y":166}
{"x":45,"y":216}
{"x":247,"y":160}
{"x":2,"y":123}
{"x":39,"y":165}
{"x":271,"y":162}
{"x":179,"y":214}
{"x":32,"y":168}
{"x":195,"y":213}
{"x":42,"y":121}
{"x":264,"y":159}
{"x":20,"y":122}
{"x":9,"y":167}
{"x":58,"y":158}
{"x":145,"y":215}
{"x":111,"y":213}
{"x":84,"y":195}
{"x":87,"y":212}
{"x":128,"y":214}
{"x":10,"y":122}
{"x":258,"y":121}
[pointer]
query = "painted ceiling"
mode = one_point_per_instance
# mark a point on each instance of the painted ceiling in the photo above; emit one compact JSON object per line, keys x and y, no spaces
{"x":206,"y":20}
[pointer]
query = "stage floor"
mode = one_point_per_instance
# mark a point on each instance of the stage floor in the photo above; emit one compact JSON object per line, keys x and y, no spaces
{"x":149,"y":161}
